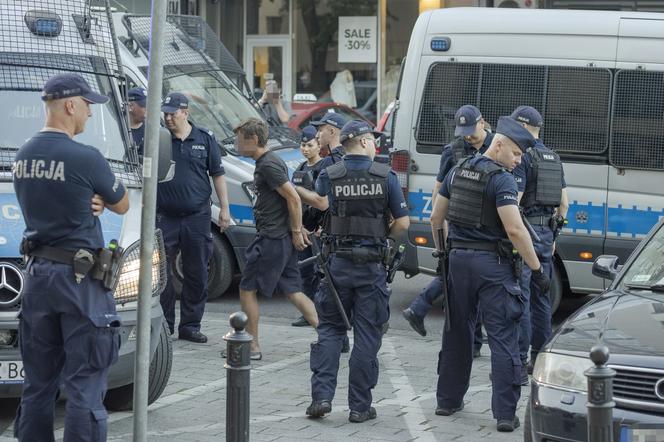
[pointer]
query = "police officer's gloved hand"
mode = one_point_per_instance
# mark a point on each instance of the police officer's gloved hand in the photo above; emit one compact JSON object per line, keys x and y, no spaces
{"x":541,"y":280}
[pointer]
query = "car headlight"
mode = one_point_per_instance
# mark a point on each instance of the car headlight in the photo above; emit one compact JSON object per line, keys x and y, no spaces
{"x":562,"y":371}
{"x":248,"y":188}
{"x":126,"y":289}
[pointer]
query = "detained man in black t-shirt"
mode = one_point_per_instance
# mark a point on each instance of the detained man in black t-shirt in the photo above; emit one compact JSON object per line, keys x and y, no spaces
{"x":271,"y":259}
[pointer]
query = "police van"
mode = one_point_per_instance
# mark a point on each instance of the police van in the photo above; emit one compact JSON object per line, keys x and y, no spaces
{"x":197,"y":64}
{"x":39,"y":40}
{"x":598,"y":80}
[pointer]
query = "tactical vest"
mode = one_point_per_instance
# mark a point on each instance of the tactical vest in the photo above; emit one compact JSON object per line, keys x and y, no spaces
{"x":544,"y":185}
{"x":458,"y":150}
{"x":360,"y":208}
{"x":469,"y":206}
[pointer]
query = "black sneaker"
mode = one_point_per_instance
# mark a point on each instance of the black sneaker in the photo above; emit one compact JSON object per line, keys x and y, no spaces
{"x":415,"y":321}
{"x":193,"y":336}
{"x":300,"y":322}
{"x":359,"y":417}
{"x":524,"y":376}
{"x":477,"y":353}
{"x":345,"y":348}
{"x":508,"y":425}
{"x":445,"y":411}
{"x":531,"y":365}
{"x":319,"y":408}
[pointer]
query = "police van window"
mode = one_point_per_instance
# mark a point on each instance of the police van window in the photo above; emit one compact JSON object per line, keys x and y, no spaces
{"x":576,"y":115}
{"x":638,"y":120}
{"x":20,"y":89}
{"x":448,"y":86}
{"x":574,"y":103}
{"x":214,"y":103}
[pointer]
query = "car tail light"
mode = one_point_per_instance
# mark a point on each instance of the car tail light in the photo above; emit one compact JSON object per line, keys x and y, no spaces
{"x":400,"y":161}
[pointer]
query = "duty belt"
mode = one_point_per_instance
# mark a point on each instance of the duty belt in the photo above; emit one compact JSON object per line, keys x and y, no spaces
{"x":541,"y":220}
{"x":474,"y":245}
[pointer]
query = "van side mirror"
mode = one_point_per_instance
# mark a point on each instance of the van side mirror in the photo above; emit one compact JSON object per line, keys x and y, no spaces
{"x":166,"y":169}
{"x":606,"y":266}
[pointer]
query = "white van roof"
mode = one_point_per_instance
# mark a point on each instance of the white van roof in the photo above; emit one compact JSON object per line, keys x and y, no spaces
{"x":543,"y":33}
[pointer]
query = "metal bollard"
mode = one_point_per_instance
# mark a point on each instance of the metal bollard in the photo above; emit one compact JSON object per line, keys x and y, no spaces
{"x":600,"y":396}
{"x":238,"y":366}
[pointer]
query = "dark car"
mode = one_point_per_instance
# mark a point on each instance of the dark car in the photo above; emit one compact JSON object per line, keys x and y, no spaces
{"x":629,"y":319}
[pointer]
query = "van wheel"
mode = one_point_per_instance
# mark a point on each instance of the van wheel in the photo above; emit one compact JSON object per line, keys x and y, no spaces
{"x":220,"y":269}
{"x":556,"y":291}
{"x":122,"y":398}
{"x":527,"y":426}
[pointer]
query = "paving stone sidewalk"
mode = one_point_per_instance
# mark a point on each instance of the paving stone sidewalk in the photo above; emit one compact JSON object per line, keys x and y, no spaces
{"x":192,"y":408}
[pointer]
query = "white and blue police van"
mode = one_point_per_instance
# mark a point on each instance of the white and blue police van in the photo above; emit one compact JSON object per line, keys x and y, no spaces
{"x":597,"y":77}
{"x":41,"y":39}
{"x":198,"y":65}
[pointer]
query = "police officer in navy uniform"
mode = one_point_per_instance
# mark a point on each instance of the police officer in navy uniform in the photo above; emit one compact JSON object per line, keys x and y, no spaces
{"x":329,"y":133}
{"x":483,"y":272}
{"x":305,"y":175}
{"x":184,"y":214}
{"x":137,"y":98}
{"x":472,"y":138}
{"x":363,"y":196}
{"x":543,"y":196}
{"x":68,"y":323}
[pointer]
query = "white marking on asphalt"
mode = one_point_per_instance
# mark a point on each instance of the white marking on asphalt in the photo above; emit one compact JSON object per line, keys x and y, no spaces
{"x":416,"y":422}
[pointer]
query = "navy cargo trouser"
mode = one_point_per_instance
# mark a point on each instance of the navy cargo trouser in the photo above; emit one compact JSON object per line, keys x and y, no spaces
{"x":68,"y":334}
{"x":192,"y":236}
{"x":424,"y":301}
{"x":479,"y":279}
{"x":363,"y":292}
{"x":535,"y":325}
{"x":309,"y":273}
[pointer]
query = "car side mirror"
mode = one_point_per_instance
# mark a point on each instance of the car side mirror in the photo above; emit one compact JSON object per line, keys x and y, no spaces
{"x":166,"y":169}
{"x":606,"y":266}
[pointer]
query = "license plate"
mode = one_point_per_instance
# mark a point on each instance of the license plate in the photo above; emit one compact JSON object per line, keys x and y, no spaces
{"x":642,"y":433}
{"x":11,"y":372}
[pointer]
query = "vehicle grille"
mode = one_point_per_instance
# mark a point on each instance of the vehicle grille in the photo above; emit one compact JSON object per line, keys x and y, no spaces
{"x":639,"y":388}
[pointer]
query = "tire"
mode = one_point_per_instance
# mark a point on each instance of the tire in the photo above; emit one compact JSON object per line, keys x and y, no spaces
{"x":220,"y":269}
{"x":122,"y":398}
{"x":527,"y":425}
{"x":556,"y":291}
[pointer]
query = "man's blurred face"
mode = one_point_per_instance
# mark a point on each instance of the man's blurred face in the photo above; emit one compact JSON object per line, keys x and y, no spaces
{"x":137,"y":112}
{"x":509,"y":154}
{"x":246,"y":146}
{"x":177,"y":120}
{"x":478,"y":135}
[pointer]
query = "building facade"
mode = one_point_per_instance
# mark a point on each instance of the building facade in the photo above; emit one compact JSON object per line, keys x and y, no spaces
{"x":348,"y":51}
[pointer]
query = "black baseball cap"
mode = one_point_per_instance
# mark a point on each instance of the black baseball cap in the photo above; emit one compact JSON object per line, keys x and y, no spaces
{"x":332,"y":118}
{"x":137,"y":95}
{"x":174,"y":102}
{"x":465,"y":119}
{"x":513,"y":130}
{"x":357,"y":127}
{"x":70,"y":85}
{"x":528,"y":115}
{"x":308,"y":134}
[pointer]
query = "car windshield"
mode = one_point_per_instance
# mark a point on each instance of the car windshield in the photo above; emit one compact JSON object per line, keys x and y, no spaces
{"x":214,"y":103}
{"x":647,"y":269}
{"x":20,"y":91}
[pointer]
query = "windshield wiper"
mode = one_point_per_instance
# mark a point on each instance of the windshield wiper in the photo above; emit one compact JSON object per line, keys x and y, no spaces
{"x":652,"y":288}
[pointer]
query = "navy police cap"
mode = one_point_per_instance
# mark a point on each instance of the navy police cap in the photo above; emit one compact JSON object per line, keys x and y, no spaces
{"x":355,"y":128}
{"x":174,"y":102}
{"x":513,"y":130}
{"x":465,"y":119}
{"x":331,"y":118}
{"x":137,"y":95}
{"x":528,"y":115}
{"x":70,"y":85}
{"x":308,"y":134}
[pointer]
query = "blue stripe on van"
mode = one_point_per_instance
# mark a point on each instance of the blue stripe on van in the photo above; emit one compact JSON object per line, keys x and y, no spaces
{"x":242,"y":214}
{"x":586,"y":218}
